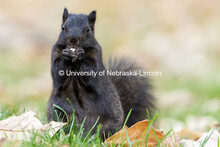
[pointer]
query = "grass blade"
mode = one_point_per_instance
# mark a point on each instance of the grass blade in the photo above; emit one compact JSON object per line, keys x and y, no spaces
{"x":148,"y":128}
{"x":129,"y":141}
{"x":91,"y":129}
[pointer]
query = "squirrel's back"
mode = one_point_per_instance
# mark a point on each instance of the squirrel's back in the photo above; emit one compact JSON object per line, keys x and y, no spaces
{"x":135,"y":91}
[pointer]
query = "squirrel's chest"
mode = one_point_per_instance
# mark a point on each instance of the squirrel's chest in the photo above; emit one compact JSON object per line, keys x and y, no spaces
{"x":77,"y":91}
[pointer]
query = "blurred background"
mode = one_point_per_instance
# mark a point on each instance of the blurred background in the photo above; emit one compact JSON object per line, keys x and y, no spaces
{"x":181,"y":39}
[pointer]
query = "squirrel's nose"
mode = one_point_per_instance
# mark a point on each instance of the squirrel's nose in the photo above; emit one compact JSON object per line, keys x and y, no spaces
{"x":73,"y":40}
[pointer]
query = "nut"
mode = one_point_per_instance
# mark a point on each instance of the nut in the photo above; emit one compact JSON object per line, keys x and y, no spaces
{"x":73,"y":49}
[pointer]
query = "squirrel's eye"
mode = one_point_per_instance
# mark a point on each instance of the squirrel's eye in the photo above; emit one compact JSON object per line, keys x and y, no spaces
{"x":87,"y":29}
{"x":63,"y":27}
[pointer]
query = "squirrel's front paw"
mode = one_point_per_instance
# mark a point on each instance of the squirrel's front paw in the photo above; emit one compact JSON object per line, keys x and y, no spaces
{"x":70,"y":55}
{"x":80,"y":53}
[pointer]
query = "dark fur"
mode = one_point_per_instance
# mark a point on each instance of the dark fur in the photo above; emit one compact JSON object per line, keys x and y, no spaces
{"x":135,"y":92}
{"x":109,"y":98}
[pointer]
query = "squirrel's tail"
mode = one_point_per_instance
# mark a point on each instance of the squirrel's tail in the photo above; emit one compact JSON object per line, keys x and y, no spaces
{"x":135,"y":91}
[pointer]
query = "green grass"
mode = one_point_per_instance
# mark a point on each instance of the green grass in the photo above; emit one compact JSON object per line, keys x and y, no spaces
{"x":75,"y":138}
{"x":203,"y":90}
{"x":13,"y":69}
{"x":202,"y":87}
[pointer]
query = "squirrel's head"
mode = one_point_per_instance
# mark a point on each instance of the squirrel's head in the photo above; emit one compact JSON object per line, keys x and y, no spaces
{"x":78,"y":29}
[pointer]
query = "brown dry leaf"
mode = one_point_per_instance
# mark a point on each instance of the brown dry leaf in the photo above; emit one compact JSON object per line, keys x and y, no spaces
{"x":187,"y":134}
{"x":21,"y":127}
{"x":136,"y":135}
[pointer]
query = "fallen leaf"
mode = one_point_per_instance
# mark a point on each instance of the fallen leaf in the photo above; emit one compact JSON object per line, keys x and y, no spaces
{"x":211,"y":142}
{"x":136,"y":134}
{"x":21,"y":127}
{"x":187,"y":134}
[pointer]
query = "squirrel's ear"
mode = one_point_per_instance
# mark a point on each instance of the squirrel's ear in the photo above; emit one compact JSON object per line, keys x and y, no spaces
{"x":65,"y":14}
{"x":92,"y":18}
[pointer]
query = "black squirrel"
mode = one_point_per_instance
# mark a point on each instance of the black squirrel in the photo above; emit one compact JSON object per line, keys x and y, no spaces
{"x":108,"y":97}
